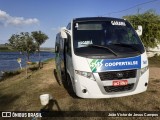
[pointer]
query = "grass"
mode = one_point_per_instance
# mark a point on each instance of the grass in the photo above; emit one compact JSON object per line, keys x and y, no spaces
{"x":33,"y":66}
{"x":10,"y":74}
{"x":5,"y":49}
{"x":48,"y":60}
{"x":20,"y":94}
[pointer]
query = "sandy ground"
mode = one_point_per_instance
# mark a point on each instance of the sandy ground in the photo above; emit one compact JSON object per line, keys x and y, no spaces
{"x":154,"y":72}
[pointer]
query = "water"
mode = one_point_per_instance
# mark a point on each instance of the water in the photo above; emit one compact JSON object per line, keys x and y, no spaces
{"x":8,"y":60}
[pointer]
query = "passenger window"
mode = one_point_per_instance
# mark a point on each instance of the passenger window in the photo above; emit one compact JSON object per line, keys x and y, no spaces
{"x":69,"y":26}
{"x":56,"y":49}
{"x":69,"y":45}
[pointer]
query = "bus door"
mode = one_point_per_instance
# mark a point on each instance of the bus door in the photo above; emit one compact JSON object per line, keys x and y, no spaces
{"x":69,"y":62}
{"x":59,"y":59}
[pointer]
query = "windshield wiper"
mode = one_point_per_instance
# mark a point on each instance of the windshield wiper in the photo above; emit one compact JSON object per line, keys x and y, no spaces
{"x":99,"y":46}
{"x":127,"y":45}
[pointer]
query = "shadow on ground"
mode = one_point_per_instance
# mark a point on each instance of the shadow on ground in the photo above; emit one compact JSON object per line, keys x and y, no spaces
{"x":66,"y":83}
{"x":7,"y":100}
{"x":52,"y":109}
{"x":56,"y":77}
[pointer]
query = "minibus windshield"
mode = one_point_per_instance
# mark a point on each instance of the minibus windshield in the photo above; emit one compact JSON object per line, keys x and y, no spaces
{"x":118,"y":36}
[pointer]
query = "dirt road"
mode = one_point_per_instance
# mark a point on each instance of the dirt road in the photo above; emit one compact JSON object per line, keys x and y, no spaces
{"x":154,"y":72}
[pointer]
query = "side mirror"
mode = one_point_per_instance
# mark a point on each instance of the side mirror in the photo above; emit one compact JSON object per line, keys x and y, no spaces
{"x":63,"y":33}
{"x":139,"y":30}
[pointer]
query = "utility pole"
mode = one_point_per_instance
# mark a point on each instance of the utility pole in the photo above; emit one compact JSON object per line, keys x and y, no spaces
{"x":138,"y":10}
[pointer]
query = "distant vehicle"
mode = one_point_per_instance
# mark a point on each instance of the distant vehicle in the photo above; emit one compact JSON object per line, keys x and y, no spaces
{"x":101,"y":58}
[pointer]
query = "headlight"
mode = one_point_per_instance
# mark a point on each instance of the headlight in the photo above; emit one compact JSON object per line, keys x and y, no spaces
{"x":143,"y":70}
{"x":85,"y":74}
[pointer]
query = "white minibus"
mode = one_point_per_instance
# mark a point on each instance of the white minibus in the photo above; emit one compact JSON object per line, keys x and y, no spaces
{"x":101,"y":57}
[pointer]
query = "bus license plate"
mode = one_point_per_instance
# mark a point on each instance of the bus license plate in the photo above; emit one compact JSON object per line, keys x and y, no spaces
{"x":120,"y":82}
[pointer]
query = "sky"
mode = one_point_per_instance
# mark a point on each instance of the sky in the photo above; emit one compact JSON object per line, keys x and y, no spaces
{"x":50,"y":15}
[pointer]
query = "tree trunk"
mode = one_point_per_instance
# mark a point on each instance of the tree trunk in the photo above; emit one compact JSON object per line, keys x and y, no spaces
{"x":27,"y":60}
{"x":39,"y":57}
{"x":28,"y":57}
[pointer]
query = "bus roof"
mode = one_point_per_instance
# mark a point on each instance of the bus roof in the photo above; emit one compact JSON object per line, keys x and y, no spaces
{"x":96,"y":19}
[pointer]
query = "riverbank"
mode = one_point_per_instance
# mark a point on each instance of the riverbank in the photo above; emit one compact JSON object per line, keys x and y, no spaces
{"x":21,"y":94}
{"x":8,"y":60}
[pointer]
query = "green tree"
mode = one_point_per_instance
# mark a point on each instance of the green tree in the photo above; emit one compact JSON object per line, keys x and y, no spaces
{"x":150,"y":22}
{"x":40,"y":38}
{"x":23,"y":43}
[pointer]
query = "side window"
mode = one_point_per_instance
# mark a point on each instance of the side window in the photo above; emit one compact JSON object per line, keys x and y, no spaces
{"x":69,"y":26}
{"x":61,"y":45}
{"x":57,"y":45}
{"x":56,"y":48}
{"x":69,"y":45}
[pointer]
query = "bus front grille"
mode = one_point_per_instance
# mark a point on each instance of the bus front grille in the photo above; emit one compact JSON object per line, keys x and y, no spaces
{"x":114,"y":75}
{"x":119,"y":88}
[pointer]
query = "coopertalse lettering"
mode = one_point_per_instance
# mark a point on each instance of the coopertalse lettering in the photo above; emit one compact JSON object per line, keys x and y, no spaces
{"x":126,"y":63}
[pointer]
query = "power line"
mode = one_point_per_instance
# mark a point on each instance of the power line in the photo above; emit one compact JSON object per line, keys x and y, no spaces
{"x":131,"y":7}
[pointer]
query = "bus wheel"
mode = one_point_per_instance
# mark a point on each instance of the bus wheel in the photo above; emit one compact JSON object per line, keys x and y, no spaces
{"x":61,"y":79}
{"x":70,"y":86}
{"x":57,"y":77}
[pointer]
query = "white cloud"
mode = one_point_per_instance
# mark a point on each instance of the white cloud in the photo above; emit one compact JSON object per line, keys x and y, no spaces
{"x":21,"y":21}
{"x":6,"y":19}
{"x":3,"y":15}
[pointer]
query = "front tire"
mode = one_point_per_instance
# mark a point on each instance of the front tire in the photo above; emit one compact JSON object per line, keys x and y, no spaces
{"x":70,"y":86}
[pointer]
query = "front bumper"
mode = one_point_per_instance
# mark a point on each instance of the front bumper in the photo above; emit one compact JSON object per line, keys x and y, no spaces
{"x":96,"y":89}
